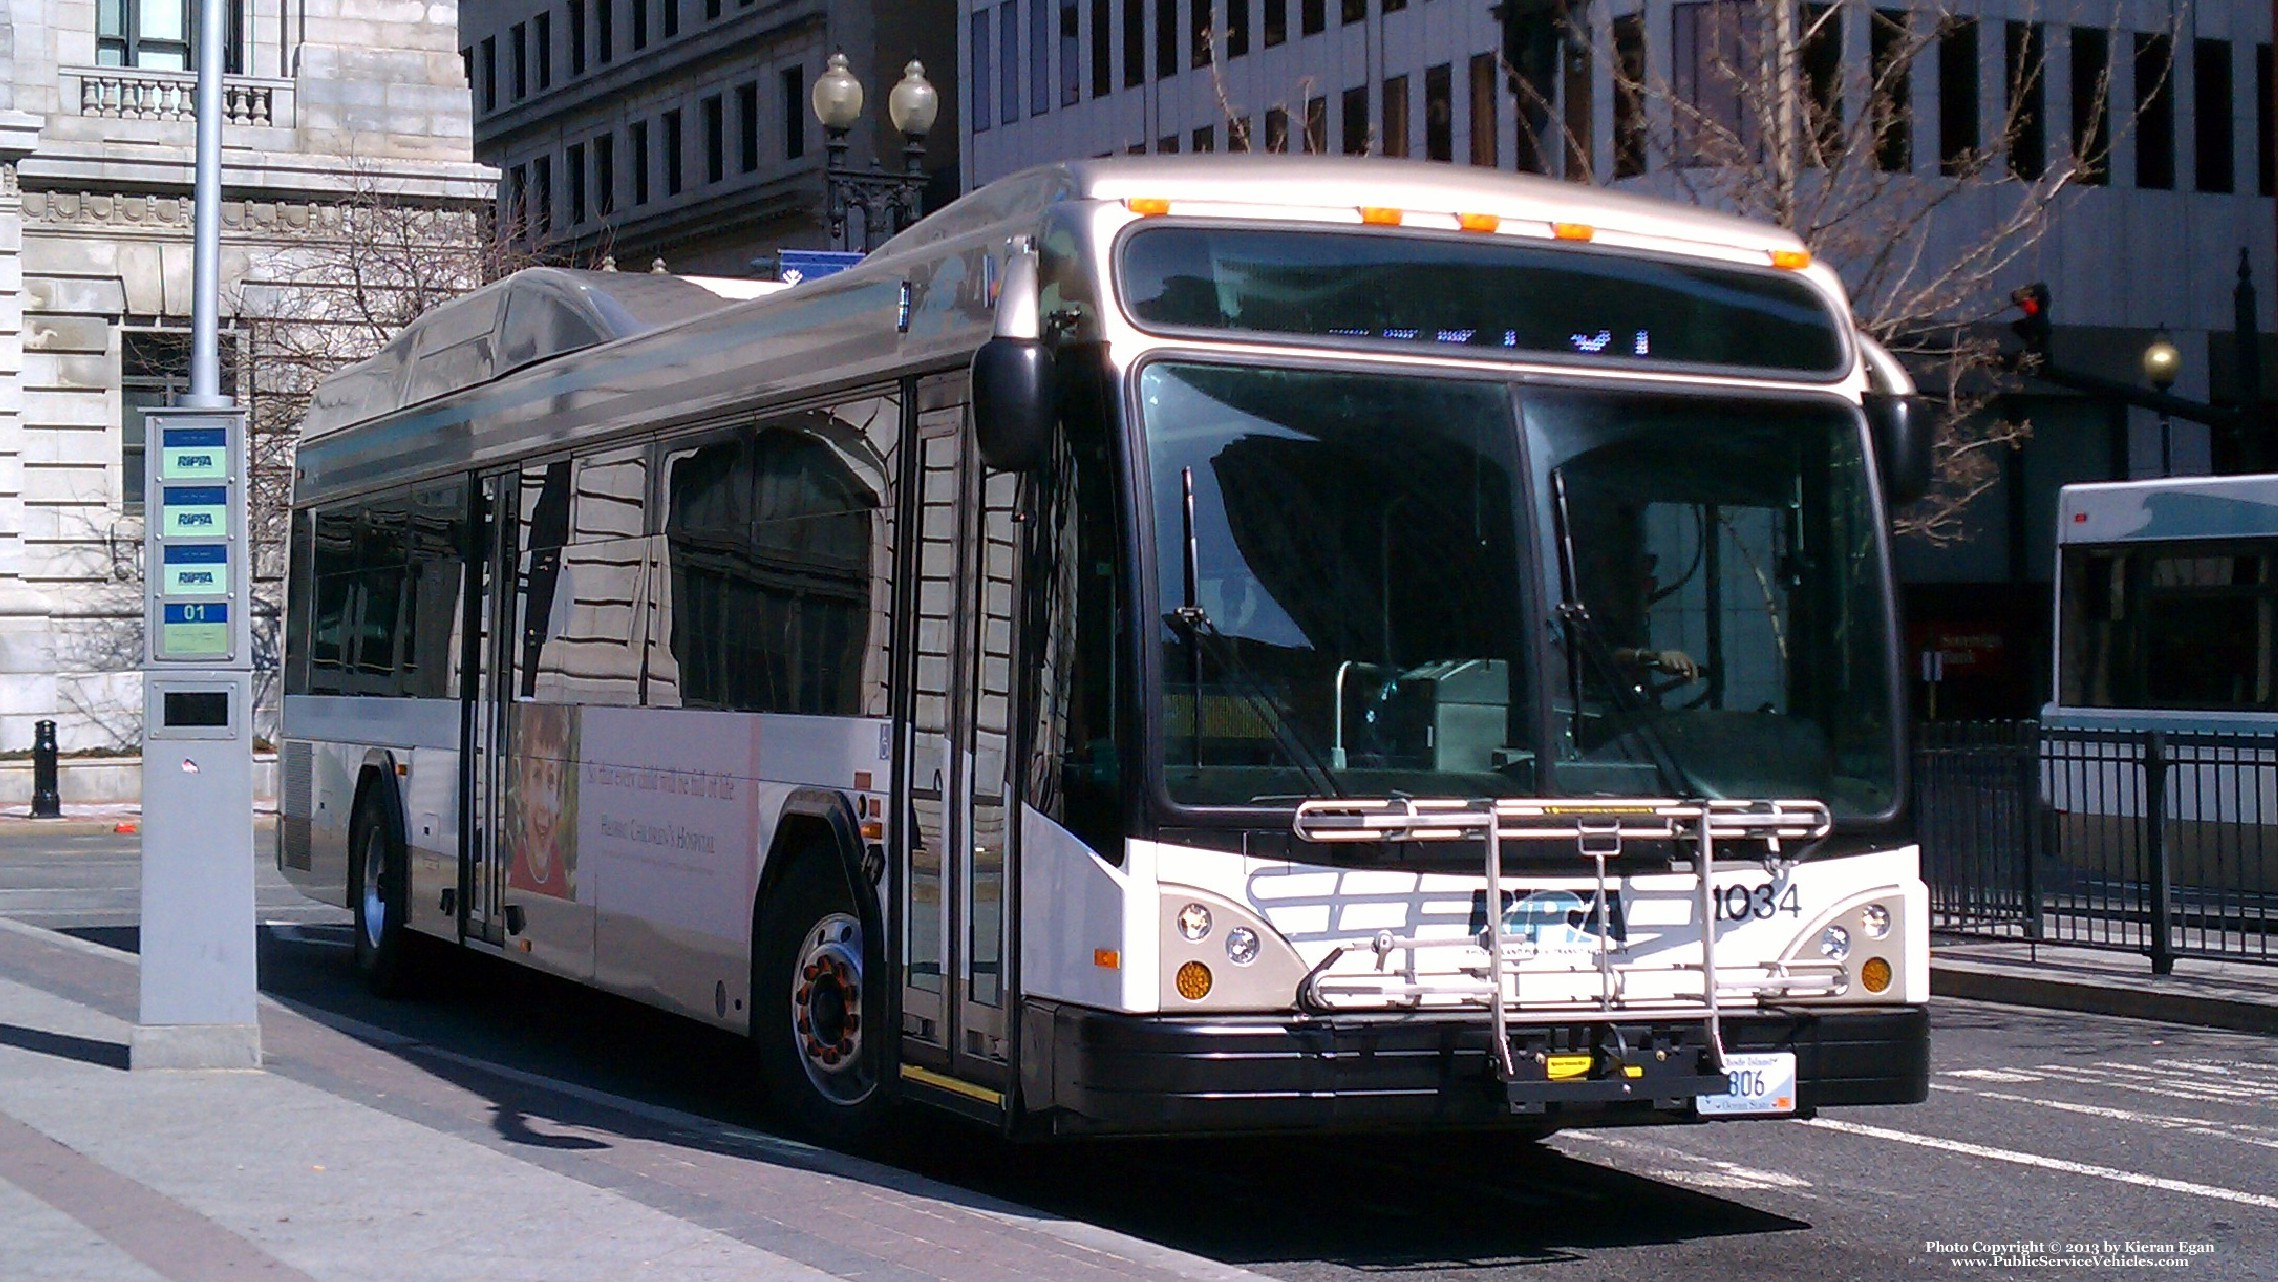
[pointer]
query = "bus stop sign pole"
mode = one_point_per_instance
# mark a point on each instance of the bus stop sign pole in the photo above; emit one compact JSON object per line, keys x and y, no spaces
{"x":197,"y":944}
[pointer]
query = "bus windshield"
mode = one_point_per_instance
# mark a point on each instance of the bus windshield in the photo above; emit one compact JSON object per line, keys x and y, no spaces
{"x":1362,"y":587}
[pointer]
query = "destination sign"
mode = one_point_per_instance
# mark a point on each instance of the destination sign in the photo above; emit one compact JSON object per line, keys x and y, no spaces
{"x":194,"y":454}
{"x":197,"y":569}
{"x":193,"y":510}
{"x":194,"y":631}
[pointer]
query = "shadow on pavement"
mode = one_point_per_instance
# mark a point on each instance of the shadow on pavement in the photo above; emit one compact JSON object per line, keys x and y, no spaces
{"x":87,"y":1050}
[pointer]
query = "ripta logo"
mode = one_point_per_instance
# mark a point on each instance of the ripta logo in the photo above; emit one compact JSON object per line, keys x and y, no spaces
{"x":1553,"y":921}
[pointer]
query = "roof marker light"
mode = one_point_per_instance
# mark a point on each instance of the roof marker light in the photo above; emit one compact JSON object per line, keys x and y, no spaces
{"x":1380,"y":216}
{"x":1573,"y":231}
{"x":1479,"y":222}
{"x":1793,"y":260}
{"x":1147,"y":206}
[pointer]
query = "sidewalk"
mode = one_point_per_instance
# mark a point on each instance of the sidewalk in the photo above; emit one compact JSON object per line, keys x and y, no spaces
{"x":2241,"y":996}
{"x":79,"y":820}
{"x":361,"y":1154}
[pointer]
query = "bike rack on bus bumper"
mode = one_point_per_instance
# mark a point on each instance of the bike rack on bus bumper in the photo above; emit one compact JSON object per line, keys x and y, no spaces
{"x":1598,"y":829}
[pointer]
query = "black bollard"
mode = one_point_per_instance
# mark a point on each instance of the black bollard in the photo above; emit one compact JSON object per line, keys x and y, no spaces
{"x":46,"y":802}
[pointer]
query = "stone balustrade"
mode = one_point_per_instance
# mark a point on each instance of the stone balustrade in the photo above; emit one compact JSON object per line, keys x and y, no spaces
{"x":137,"y":93}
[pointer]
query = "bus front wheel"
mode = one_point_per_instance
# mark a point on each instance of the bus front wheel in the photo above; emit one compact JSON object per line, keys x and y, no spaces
{"x":816,"y":1006}
{"x":378,"y":880}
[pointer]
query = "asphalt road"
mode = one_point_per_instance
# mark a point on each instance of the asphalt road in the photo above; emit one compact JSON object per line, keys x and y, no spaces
{"x":2156,"y":1141}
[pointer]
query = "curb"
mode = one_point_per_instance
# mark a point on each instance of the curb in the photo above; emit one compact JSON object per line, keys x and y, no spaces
{"x":2231,"y":1014}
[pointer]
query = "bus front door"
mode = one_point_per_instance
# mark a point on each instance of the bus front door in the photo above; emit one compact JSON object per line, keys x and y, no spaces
{"x":487,"y":689}
{"x":954,"y":848}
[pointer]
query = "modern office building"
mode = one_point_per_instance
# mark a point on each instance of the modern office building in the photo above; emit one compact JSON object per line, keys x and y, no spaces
{"x":683,"y":129}
{"x":2150,"y":240}
{"x":329,"y":103}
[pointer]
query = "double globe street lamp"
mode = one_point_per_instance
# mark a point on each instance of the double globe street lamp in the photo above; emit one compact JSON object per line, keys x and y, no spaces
{"x":888,"y":201}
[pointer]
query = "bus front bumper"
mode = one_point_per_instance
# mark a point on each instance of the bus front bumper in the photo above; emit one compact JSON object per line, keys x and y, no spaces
{"x":1091,"y":1071}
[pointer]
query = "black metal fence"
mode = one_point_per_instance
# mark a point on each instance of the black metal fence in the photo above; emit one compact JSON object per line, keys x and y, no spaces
{"x":2158,"y":842}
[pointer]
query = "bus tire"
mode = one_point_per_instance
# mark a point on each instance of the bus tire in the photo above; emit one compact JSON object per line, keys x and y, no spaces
{"x":378,"y":894}
{"x":818,"y":1006}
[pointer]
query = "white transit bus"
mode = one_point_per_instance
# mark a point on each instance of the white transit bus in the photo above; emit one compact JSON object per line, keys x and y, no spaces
{"x":1164,"y":644}
{"x":2167,"y":621}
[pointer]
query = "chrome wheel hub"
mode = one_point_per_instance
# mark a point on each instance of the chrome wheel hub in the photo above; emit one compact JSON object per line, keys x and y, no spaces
{"x":375,"y":903}
{"x":826,"y":1008}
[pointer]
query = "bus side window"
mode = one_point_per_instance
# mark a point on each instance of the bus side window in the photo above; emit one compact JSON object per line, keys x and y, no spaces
{"x":1075,"y":620}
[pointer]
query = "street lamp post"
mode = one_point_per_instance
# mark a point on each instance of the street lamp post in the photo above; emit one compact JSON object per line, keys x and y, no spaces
{"x":2161,"y":363}
{"x":892,"y":199}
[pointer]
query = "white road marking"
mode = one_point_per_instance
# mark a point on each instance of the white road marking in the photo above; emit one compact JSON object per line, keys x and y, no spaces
{"x":2094,"y":1076}
{"x":2240,"y":1131}
{"x":2015,"y":1158}
{"x":1711,"y":1173}
{"x":1993,"y":1075}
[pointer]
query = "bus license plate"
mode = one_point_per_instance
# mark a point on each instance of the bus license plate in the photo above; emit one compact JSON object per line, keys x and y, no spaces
{"x":1761,"y":1083}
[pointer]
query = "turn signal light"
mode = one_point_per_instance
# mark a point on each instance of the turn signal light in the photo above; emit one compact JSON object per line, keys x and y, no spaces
{"x":1573,"y":231}
{"x":1194,"y":981}
{"x":1479,"y":222}
{"x":1875,"y":974}
{"x":1380,"y":216}
{"x":1793,"y":260}
{"x":1147,"y":206}
{"x":1107,"y":958}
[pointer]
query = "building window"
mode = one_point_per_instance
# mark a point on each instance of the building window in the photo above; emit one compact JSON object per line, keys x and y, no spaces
{"x":573,"y":169}
{"x":639,"y":13}
{"x":151,"y":33}
{"x":1312,"y":17}
{"x":1439,"y":113}
{"x":1823,"y":81}
{"x":1395,"y":115}
{"x":711,"y":10}
{"x":2265,"y":125}
{"x":669,"y":126}
{"x":521,"y":62}
{"x":2155,"y":112}
{"x":542,"y":33}
{"x":1204,"y":141}
{"x":1890,"y":70}
{"x":1351,"y":11}
{"x":1103,"y":50}
{"x":1237,"y":28}
{"x":2092,"y":103}
{"x":605,"y":175}
{"x":1957,"y":98}
{"x":541,"y":197}
{"x":154,"y":370}
{"x":1167,"y":145}
{"x":1714,"y":126}
{"x":2027,"y":105}
{"x":794,"y":112}
{"x":574,"y":19}
{"x":715,"y":139}
{"x":747,"y":126}
{"x":1204,"y":25}
{"x":1008,"y":62}
{"x":1317,"y":126}
{"x":1277,"y":130}
{"x":1355,"y":123}
{"x":1276,"y":22}
{"x":1040,"y":56}
{"x":2211,"y":115}
{"x":1166,"y":39}
{"x":604,"y":31}
{"x":518,"y":203}
{"x":1483,"y":113}
{"x":1629,"y":96}
{"x":982,"y":48}
{"x":671,"y":18}
{"x":1581,"y":136}
{"x":490,"y":73}
{"x":1071,"y":54}
{"x":1238,"y":134}
{"x":1134,"y":43}
{"x":637,"y":142}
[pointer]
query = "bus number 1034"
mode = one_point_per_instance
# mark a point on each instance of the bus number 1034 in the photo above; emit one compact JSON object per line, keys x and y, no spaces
{"x":1759,"y":902}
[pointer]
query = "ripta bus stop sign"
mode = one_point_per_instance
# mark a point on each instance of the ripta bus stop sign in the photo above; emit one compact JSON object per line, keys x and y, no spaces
{"x":197,"y":778}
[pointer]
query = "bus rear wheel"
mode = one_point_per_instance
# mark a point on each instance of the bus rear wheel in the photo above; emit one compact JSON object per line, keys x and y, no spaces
{"x":378,"y":882}
{"x":816,"y":1007}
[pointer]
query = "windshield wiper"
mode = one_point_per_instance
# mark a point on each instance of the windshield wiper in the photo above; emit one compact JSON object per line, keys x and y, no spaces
{"x":1583,"y":639}
{"x":1191,"y":619}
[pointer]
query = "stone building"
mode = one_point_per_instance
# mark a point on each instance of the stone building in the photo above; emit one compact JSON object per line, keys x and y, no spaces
{"x":329,"y":103}
{"x":682,"y":129}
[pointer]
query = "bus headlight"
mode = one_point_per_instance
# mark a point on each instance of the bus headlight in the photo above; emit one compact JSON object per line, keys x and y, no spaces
{"x":1876,"y":919}
{"x":1194,"y":921}
{"x":1241,"y":945}
{"x":1835,"y":943}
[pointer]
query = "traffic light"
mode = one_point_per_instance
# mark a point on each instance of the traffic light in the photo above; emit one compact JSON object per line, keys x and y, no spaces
{"x":2033,"y":325}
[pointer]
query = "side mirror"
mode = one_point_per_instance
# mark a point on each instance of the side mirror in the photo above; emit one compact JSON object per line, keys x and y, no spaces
{"x":1015,"y":396}
{"x":1899,"y":426}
